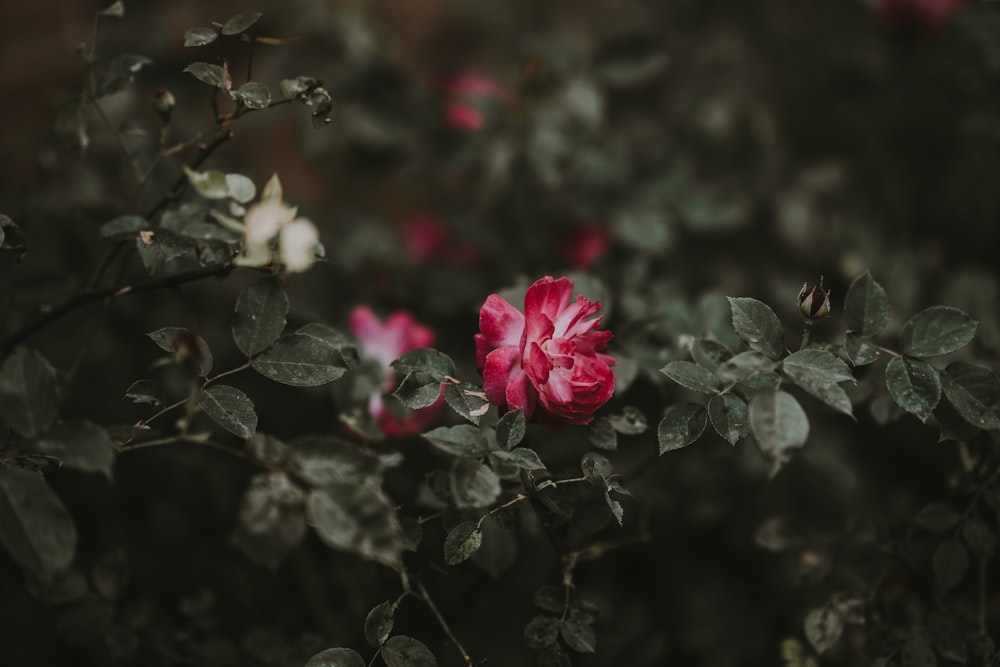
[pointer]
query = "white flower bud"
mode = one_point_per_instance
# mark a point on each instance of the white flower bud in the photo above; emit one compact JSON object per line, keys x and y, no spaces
{"x":297,"y":243}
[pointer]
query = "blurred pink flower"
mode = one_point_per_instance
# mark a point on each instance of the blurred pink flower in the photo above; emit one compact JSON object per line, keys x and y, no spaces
{"x":385,"y":342}
{"x":546,"y":361}
{"x":928,"y":15}
{"x":468,"y":98}
{"x":427,"y":239}
{"x":585,"y":245}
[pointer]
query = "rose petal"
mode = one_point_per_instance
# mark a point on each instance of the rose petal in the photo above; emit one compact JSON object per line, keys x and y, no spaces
{"x":500,"y":323}
{"x":501,"y":364}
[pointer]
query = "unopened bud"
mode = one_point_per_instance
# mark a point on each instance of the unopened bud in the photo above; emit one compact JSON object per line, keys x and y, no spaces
{"x":163,"y":104}
{"x":814,"y":301}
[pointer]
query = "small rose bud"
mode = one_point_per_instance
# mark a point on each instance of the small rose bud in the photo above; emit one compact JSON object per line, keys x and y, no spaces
{"x":814,"y":301}
{"x":163,"y":104}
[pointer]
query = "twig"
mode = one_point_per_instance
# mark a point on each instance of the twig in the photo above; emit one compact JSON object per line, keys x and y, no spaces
{"x":426,"y":597}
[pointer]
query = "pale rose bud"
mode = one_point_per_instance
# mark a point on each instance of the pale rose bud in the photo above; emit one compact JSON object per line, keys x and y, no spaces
{"x":163,"y":104}
{"x":297,"y":243}
{"x":814,"y":301}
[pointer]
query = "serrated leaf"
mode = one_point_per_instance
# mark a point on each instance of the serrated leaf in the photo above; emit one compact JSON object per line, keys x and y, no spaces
{"x":418,"y":390}
{"x":403,"y":651}
{"x":617,"y":510}
{"x":950,"y":561}
{"x":188,"y":346}
{"x":271,"y":521}
{"x":578,"y":635}
{"x":80,"y":445}
{"x":425,"y":360}
{"x":974,"y":392}
{"x":681,"y":425}
{"x":337,"y":657}
{"x":511,"y":429}
{"x":463,"y":541}
{"x":473,"y":484}
{"x":521,"y":457}
{"x":255,"y":95}
{"x":602,"y":434}
{"x":866,"y":308}
{"x":778,"y":423}
{"x":861,"y":351}
{"x":692,"y":376}
{"x":230,"y":408}
{"x":29,"y":394}
{"x":379,"y":622}
{"x":123,"y":226}
{"x":260,"y":316}
{"x":324,"y":460}
{"x":936,"y":517}
{"x":206,"y":73}
{"x":597,"y":468}
{"x":758,"y":326}
{"x":268,"y":449}
{"x":307,"y":358}
{"x":710,"y":353}
{"x":935,"y":331}
{"x":823,"y":627}
{"x":541,"y":631}
{"x":462,"y":440}
{"x":240,"y":23}
{"x":358,"y":518}
{"x":35,"y":527}
{"x":200,"y":36}
{"x":467,"y":400}
{"x":628,"y":421}
{"x":745,"y":364}
{"x":818,"y":372}
{"x":729,"y":415}
{"x":914,"y":385}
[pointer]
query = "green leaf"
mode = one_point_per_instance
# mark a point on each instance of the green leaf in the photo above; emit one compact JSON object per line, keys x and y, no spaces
{"x":692,"y":376}
{"x":254,"y":95}
{"x":240,"y":188}
{"x":866,"y":308}
{"x":209,"y":184}
{"x":271,"y":522}
{"x":379,"y":622}
{"x":541,"y":631}
{"x":462,"y":440}
{"x":337,"y":657}
{"x":936,"y":517}
{"x":681,"y":425}
{"x":521,"y":457}
{"x":425,"y":360}
{"x":35,"y":528}
{"x":467,"y":400}
{"x":403,"y":651}
{"x":240,"y":23}
{"x":358,"y":518}
{"x":188,"y":346}
{"x":778,"y":423}
{"x":310,"y":357}
{"x":324,"y":460}
{"x":914,"y":385}
{"x":628,"y":421}
{"x":602,"y":434}
{"x":950,"y":561}
{"x":267,"y":449}
{"x":818,"y":372}
{"x":114,"y":10}
{"x":473,"y":484}
{"x":511,"y":429}
{"x":230,"y":408}
{"x":729,"y":415}
{"x":578,"y":635}
{"x":758,"y":326}
{"x":597,"y":468}
{"x":860,"y":351}
{"x":80,"y":445}
{"x":200,"y":36}
{"x":29,"y":394}
{"x":710,"y":353}
{"x":260,"y":316}
{"x":418,"y":390}
{"x":823,"y":628}
{"x":206,"y":73}
{"x":123,"y":226}
{"x":935,"y":331}
{"x":745,"y":364}
{"x":144,"y":391}
{"x":463,"y":541}
{"x":974,"y":391}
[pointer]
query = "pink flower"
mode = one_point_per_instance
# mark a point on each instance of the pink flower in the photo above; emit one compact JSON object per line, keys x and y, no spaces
{"x":427,"y":239}
{"x":384,"y":343}
{"x":546,"y":361}
{"x":585,"y":245}
{"x":469,"y":99}
{"x":927,"y":15}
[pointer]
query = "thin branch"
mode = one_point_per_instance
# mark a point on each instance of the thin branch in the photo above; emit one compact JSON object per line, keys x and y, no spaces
{"x":426,"y":597}
{"x":136,"y":171}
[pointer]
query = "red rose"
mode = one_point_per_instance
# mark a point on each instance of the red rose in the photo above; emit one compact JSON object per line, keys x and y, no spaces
{"x":386,"y":342}
{"x":546,"y":361}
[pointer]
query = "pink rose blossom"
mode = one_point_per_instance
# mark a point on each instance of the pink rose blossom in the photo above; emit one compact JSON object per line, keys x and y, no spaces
{"x":385,"y":342}
{"x":926,"y":15}
{"x":469,"y":98}
{"x":546,"y":361}
{"x":427,"y":239}
{"x":585,"y":245}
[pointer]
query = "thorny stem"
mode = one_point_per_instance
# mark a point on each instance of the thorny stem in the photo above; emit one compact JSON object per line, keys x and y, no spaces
{"x":426,"y":597}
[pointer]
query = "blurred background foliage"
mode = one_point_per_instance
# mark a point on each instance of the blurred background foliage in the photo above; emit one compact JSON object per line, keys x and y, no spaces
{"x":669,"y":153}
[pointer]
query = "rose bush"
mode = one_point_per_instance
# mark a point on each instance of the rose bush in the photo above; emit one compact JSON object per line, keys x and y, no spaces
{"x":384,"y":342}
{"x":548,"y":360}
